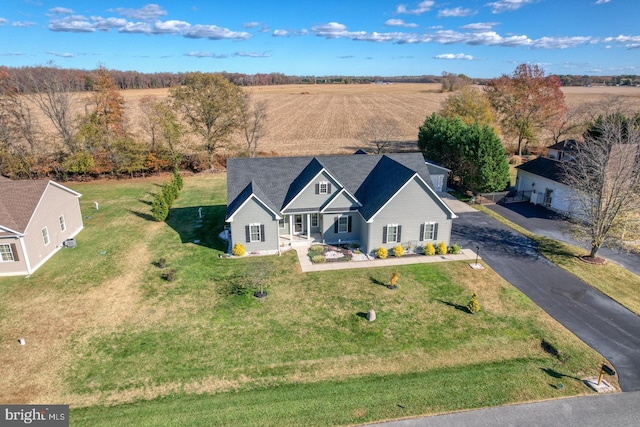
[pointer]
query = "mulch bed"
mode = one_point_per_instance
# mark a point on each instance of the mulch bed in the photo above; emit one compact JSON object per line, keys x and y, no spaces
{"x":592,"y":260}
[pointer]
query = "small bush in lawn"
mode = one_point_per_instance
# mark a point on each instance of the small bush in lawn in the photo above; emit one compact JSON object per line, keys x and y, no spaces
{"x":316,"y":248}
{"x":238,"y":249}
{"x":398,"y":251}
{"x":170,"y":275}
{"x":169,"y":192}
{"x":318,"y":259}
{"x":159,"y":208}
{"x":429,"y":249}
{"x":162,"y":262}
{"x":441,"y":249}
{"x":177,"y":180}
{"x":381,"y":253}
{"x":454,"y":249}
{"x":474,"y":305}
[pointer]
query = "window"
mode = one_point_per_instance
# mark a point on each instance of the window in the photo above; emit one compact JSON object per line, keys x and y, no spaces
{"x":63,"y":226}
{"x":429,"y":231}
{"x":6,"y":254}
{"x":391,"y":233}
{"x":343,"y":224}
{"x":314,"y":219}
{"x":323,"y":187}
{"x":45,"y":236}
{"x":254,"y":233}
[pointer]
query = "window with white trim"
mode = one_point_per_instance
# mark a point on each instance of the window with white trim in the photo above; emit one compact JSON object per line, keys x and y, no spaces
{"x":323,"y":187}
{"x":314,"y":219}
{"x":45,"y":236}
{"x":343,"y":224}
{"x":6,"y":254}
{"x":392,"y":233}
{"x":254,"y":233}
{"x":429,"y":231}
{"x":63,"y":225}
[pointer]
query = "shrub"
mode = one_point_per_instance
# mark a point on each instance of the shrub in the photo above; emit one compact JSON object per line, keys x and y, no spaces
{"x":474,"y":305}
{"x":454,"y":249}
{"x":170,"y":275}
{"x":318,"y":259}
{"x":162,"y":262}
{"x":159,"y":208}
{"x":316,"y":248}
{"x":398,"y":251}
{"x":441,"y":249}
{"x":238,"y":249}
{"x":429,"y":249}
{"x":177,"y":180}
{"x":381,"y":253}
{"x":169,"y":192}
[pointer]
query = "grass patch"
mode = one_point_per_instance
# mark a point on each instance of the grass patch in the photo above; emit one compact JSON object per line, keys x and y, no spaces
{"x":109,"y":336}
{"x":612,"y":280}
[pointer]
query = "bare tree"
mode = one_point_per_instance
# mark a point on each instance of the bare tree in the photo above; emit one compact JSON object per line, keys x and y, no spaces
{"x":53,"y":95}
{"x":253,"y":118}
{"x":379,"y":132}
{"x":605,"y":174}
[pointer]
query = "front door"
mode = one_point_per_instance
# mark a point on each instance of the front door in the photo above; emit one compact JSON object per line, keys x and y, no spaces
{"x":298,"y":224}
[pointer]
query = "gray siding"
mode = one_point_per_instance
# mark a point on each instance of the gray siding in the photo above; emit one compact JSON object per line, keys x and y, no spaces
{"x":410,"y":208}
{"x":309,"y":200}
{"x":254,"y":212}
{"x":329,"y":234}
{"x":54,"y":203}
{"x":341,"y":202}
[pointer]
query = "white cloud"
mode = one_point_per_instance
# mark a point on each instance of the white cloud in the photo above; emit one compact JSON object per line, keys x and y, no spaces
{"x":250,"y":25}
{"x":25,"y":24}
{"x":399,"y":23}
{"x":508,"y":5}
{"x":457,"y":12}
{"x":623,"y":39}
{"x":106,"y":24}
{"x":205,"y":55}
{"x":454,"y":56}
{"x":253,"y":54}
{"x":149,"y":12}
{"x":480,"y":26}
{"x":289,"y":33}
{"x":213,"y":32}
{"x":61,"y":55}
{"x":3,"y":21}
{"x":559,"y":42}
{"x":61,"y":11}
{"x":170,"y":27}
{"x":602,"y":1}
{"x":73,"y":24}
{"x":423,"y":6}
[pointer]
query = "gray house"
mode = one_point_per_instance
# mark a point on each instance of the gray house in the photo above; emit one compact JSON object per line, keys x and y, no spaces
{"x":373,"y":200}
{"x":36,"y":217}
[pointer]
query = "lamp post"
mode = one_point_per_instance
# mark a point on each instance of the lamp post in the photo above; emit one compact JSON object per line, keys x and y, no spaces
{"x":477,"y":252}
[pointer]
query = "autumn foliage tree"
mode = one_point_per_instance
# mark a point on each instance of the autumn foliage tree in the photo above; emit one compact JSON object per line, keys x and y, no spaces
{"x":526,"y":102}
{"x":471,"y":106}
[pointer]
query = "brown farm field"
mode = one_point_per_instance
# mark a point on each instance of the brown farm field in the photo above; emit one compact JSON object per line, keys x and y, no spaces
{"x":328,"y":119}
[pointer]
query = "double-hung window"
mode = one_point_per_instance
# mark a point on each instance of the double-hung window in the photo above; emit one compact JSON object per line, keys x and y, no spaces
{"x":63,"y":225}
{"x":255,"y":234}
{"x":45,"y":236}
{"x":429,"y":231}
{"x":343,"y":224}
{"x":393,"y":233}
{"x":314,"y":219}
{"x":6,"y":254}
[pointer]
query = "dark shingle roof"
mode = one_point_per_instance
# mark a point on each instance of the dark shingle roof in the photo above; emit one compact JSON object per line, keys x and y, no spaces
{"x":281,"y":178}
{"x":18,"y":201}
{"x":547,"y":168}
{"x":566,"y":145}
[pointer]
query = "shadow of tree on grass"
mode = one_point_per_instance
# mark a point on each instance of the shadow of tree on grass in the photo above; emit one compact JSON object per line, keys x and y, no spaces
{"x":456,"y":306}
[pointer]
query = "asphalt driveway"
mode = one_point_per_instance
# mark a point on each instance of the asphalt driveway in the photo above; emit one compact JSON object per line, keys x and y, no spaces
{"x":544,"y":222}
{"x":602,"y":323}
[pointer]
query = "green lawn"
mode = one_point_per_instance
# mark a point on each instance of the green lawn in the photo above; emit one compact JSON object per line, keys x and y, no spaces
{"x":109,"y":336}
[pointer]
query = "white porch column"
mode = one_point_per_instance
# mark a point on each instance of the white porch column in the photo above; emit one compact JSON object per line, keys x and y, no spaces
{"x":308,"y":226}
{"x":290,"y":228}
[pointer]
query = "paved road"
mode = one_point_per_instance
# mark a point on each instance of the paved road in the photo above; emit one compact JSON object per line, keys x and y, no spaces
{"x":621,"y":409}
{"x":603,"y":324}
{"x":544,"y":222}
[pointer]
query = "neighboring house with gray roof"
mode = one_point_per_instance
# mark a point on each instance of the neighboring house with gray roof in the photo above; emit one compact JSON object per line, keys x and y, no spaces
{"x":36,"y":217}
{"x":373,"y":200}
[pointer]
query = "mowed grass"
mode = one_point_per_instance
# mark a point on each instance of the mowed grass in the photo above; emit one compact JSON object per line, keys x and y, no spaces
{"x":107,"y":335}
{"x":611,"y":279}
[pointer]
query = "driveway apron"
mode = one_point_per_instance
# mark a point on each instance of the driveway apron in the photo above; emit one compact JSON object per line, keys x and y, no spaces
{"x":602,"y":323}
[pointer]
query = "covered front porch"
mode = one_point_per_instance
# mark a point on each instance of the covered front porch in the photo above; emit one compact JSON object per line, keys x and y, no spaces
{"x":300,"y":228}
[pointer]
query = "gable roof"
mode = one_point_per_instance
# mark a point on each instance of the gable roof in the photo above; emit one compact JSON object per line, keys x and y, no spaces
{"x":546,"y":168}
{"x":19,"y":201}
{"x":251,"y":190}
{"x":566,"y":145}
{"x":282,"y":178}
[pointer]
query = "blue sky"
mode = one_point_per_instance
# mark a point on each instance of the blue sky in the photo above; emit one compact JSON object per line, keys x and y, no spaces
{"x":480,"y":38}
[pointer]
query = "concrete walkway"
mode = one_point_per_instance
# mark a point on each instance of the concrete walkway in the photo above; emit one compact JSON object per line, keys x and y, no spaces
{"x":306,"y":265}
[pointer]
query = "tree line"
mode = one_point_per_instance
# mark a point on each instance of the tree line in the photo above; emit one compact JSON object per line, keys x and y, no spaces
{"x":185,"y":130}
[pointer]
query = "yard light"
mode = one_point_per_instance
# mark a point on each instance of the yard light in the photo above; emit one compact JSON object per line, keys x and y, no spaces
{"x":477,"y":252}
